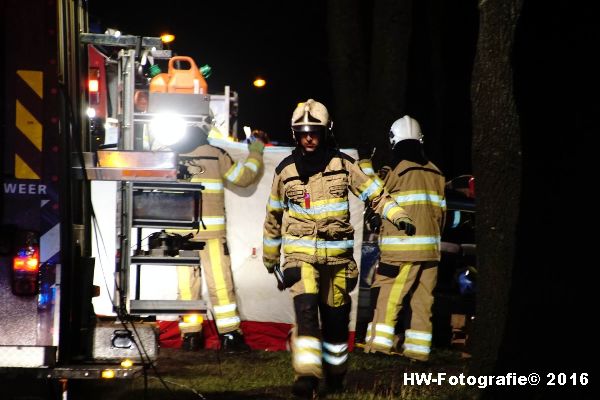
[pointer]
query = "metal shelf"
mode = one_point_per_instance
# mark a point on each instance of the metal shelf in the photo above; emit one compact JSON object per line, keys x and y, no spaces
{"x":151,"y":199}
{"x":130,"y":174}
{"x":169,"y":186}
{"x":131,"y":166}
{"x":165,"y":260}
{"x":158,"y":224}
{"x":167,"y":306}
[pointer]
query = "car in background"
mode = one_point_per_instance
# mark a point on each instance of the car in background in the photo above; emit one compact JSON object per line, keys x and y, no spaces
{"x":454,"y":306}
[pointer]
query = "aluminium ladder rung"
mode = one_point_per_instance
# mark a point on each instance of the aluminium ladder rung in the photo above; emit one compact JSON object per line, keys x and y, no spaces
{"x":167,"y":306}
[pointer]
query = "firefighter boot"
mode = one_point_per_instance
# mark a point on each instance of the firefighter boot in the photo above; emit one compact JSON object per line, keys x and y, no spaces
{"x":233,"y":342}
{"x":334,"y":382}
{"x":306,"y":387}
{"x":191,"y":341}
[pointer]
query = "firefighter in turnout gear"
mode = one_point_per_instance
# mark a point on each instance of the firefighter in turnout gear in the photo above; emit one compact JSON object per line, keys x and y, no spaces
{"x":213,"y":167}
{"x":308,"y":215}
{"x":408,"y":265}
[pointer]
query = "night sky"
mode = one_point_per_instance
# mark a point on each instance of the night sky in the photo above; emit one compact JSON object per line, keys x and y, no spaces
{"x":240,"y":41}
{"x":289,"y":48}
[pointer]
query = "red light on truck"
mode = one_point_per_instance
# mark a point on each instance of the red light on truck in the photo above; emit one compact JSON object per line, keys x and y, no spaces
{"x":93,"y":85}
{"x":26,"y":266}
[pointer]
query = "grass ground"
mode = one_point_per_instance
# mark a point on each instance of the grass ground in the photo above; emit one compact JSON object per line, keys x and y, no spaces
{"x":207,"y":374}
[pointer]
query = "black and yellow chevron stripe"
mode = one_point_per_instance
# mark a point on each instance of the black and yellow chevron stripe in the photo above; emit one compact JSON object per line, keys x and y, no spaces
{"x":29,"y":91}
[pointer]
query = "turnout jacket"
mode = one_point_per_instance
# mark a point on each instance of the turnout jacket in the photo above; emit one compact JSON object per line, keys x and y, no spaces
{"x":419,"y":189}
{"x":311,"y":220}
{"x":213,"y":166}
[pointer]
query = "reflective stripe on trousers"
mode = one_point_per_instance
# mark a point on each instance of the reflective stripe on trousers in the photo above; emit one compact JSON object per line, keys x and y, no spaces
{"x":306,"y":356}
{"x":417,"y":344}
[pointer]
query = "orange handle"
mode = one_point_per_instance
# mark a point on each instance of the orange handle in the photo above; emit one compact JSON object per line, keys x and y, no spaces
{"x":172,"y":61}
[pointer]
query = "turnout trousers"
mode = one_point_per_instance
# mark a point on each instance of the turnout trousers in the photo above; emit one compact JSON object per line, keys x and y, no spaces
{"x":323,"y":289}
{"x":216,"y":267}
{"x":391,"y":286}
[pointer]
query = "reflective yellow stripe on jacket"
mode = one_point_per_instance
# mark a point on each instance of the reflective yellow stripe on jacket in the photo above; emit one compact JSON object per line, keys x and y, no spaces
{"x":412,"y":197}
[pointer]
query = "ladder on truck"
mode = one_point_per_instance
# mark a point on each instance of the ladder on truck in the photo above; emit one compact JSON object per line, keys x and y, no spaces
{"x":144,"y":173}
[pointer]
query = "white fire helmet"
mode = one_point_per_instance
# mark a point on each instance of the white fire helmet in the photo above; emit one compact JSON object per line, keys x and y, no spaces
{"x":403,"y":129}
{"x":310,"y":116}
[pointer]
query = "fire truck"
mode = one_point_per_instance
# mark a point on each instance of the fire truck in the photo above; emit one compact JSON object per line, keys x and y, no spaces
{"x":70,"y":117}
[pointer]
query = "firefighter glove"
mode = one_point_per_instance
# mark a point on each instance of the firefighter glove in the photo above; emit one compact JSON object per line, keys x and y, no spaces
{"x":383,"y":172}
{"x":372,"y":220}
{"x":256,"y":146}
{"x":274,"y":268}
{"x":405,"y":224}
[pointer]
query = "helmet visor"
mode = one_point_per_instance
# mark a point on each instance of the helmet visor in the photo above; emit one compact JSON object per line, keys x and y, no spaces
{"x":308,"y":128}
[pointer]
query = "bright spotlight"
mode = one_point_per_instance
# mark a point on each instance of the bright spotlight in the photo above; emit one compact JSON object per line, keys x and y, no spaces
{"x":168,"y":128}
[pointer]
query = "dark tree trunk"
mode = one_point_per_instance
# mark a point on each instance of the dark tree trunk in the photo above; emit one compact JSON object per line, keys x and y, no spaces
{"x":348,"y":59}
{"x":368,"y":49}
{"x":426,"y":89}
{"x":497,"y":168}
{"x":386,"y":98}
{"x":435,"y":129}
{"x":552,"y":296}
